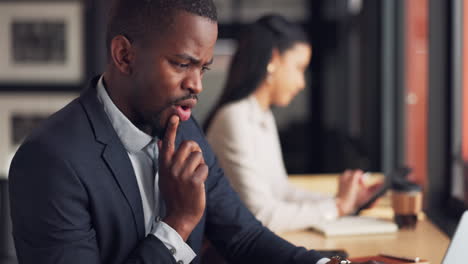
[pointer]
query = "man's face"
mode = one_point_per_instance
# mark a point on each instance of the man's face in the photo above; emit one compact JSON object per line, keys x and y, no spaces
{"x":167,"y":73}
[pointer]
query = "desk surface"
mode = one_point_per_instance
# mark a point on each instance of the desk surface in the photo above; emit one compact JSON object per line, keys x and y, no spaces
{"x":426,"y":241}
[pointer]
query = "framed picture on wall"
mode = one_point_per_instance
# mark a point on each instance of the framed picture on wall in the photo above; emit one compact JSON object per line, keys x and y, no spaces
{"x":20,"y":113}
{"x":41,"y":43}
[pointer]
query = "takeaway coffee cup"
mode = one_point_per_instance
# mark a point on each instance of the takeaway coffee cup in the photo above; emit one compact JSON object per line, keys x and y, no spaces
{"x":407,"y":203}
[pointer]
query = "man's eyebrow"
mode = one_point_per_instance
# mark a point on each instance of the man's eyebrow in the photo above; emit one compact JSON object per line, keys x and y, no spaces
{"x":192,"y":59}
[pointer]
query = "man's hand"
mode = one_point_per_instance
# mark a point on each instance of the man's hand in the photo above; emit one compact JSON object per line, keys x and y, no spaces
{"x":353,"y":192}
{"x":182,"y":175}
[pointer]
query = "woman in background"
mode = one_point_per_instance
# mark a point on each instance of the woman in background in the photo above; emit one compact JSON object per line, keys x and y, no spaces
{"x":268,"y":70}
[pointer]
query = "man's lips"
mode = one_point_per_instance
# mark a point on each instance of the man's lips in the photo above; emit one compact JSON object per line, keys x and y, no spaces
{"x":184,"y":108}
{"x":188,"y":103}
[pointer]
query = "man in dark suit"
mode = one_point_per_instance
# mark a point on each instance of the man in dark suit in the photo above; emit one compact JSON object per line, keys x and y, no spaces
{"x":123,"y":173}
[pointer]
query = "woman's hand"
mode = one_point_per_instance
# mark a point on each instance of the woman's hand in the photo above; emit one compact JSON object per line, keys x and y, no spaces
{"x":353,"y":192}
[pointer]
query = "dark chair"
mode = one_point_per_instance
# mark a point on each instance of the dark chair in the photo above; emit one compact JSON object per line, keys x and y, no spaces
{"x":7,"y":248}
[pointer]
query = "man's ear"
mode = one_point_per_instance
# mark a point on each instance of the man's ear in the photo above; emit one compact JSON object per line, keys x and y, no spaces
{"x":122,"y":54}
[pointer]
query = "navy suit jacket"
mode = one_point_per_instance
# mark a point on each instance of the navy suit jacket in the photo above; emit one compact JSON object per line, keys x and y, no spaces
{"x":75,"y":199}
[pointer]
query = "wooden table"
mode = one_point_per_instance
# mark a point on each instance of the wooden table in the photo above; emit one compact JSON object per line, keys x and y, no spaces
{"x":426,"y":241}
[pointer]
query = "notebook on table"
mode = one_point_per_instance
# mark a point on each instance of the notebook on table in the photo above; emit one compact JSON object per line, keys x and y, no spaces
{"x":355,"y":225}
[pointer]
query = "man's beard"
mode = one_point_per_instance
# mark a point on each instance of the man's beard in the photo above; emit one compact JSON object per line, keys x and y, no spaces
{"x":157,"y":129}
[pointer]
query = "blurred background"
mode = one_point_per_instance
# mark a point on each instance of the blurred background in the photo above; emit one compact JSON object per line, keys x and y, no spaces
{"x":386,"y":85}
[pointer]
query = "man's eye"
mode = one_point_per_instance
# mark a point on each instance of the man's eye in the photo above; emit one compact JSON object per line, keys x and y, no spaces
{"x":205,"y":68}
{"x":180,"y":65}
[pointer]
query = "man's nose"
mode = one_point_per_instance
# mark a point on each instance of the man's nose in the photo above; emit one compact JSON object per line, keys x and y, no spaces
{"x":193,"y":82}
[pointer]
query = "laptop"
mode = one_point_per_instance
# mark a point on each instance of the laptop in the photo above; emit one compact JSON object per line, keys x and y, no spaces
{"x":457,"y":252}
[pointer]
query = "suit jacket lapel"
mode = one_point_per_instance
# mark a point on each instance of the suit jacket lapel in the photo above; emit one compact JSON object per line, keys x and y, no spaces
{"x":114,"y":154}
{"x":118,"y":161}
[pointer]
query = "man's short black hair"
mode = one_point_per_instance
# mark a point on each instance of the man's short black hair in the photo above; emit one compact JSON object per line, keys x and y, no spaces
{"x":137,"y":19}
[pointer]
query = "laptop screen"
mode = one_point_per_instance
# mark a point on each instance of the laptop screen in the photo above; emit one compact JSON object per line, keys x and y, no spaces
{"x":457,"y":251}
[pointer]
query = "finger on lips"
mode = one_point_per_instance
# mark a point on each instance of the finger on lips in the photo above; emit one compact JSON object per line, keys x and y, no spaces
{"x":170,"y":136}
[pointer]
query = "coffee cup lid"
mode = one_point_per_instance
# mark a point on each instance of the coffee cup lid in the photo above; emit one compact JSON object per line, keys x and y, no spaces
{"x":404,"y":185}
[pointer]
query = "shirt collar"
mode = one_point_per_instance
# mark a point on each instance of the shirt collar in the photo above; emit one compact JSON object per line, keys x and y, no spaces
{"x":133,"y":139}
{"x":258,"y":114}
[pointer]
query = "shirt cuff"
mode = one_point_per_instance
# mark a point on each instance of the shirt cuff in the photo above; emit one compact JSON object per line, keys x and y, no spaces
{"x":328,"y":209}
{"x":183,"y":253}
{"x":323,"y":261}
